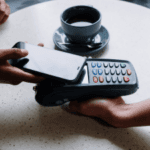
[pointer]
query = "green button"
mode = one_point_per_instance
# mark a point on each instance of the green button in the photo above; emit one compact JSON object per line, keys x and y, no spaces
{"x":123,"y":65}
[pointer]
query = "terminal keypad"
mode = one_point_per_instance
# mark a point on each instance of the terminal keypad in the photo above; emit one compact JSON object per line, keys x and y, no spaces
{"x":110,"y":72}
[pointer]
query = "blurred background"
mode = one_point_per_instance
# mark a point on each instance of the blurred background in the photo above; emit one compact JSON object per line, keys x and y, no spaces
{"x":19,"y":4}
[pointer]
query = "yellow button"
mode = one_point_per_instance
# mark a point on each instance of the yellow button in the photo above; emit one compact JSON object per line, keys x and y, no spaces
{"x":126,"y":79}
{"x":128,"y":71}
{"x":101,"y":79}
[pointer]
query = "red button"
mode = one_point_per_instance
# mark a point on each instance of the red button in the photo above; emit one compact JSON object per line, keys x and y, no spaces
{"x":126,"y":79}
{"x":95,"y":79}
{"x":101,"y":79}
{"x":128,"y":71}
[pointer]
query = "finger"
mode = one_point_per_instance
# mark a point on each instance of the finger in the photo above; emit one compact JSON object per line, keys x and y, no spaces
{"x":71,"y":107}
{"x":4,"y":19}
{"x":16,"y":74}
{"x":7,"y":12}
{"x":2,"y":11}
{"x":2,"y":6}
{"x":90,"y":107}
{"x":13,"y":53}
{"x":73,"y":110}
{"x":41,"y":44}
{"x":13,"y":82}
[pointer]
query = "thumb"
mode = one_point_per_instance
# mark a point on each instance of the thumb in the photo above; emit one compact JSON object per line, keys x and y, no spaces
{"x":71,"y":107}
{"x":13,"y":53}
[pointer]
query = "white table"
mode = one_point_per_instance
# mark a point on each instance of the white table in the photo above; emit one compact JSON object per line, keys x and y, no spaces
{"x":26,"y":125}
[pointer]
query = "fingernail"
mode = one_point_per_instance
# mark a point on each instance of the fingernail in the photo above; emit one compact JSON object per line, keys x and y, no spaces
{"x":24,"y":51}
{"x":67,"y":108}
{"x":41,"y":44}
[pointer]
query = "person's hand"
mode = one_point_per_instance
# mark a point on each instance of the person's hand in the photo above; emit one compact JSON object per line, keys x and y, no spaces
{"x":109,"y":110}
{"x":4,"y":11}
{"x":13,"y":75}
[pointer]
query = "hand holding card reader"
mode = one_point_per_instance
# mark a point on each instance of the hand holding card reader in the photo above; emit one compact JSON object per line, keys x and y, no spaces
{"x":99,"y":78}
{"x":71,"y":77}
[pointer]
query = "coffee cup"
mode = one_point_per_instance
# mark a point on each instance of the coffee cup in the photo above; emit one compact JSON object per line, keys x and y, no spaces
{"x":81,"y":23}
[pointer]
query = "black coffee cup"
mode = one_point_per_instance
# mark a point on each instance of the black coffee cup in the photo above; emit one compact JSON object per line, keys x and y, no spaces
{"x":81,"y":23}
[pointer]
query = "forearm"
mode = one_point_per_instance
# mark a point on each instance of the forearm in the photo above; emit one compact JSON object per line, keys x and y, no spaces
{"x":136,"y":114}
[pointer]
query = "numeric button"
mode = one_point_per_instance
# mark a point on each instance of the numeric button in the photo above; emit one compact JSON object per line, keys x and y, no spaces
{"x":100,"y":71}
{"x":108,"y":79}
{"x":123,"y":72}
{"x":93,"y":64}
{"x":114,"y":79}
{"x":119,"y":79}
{"x":117,"y":71}
{"x":105,"y":64}
{"x":111,"y":65}
{"x":94,"y":71}
{"x":112,"y":71}
{"x":106,"y":71}
{"x":116,"y":65}
{"x":99,"y":64}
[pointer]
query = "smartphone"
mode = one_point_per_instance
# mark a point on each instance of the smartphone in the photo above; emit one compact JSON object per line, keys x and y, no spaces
{"x":49,"y":63}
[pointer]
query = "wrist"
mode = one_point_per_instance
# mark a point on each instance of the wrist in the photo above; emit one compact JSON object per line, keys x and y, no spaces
{"x":122,"y":115}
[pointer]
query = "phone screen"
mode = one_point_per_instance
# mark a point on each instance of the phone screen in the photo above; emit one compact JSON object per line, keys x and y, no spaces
{"x":51,"y":62}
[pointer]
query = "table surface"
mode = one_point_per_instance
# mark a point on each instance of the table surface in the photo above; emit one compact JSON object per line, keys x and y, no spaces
{"x":26,"y":125}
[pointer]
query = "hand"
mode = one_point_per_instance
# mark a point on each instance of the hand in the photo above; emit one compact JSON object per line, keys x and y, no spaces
{"x":110,"y":110}
{"x":4,"y":11}
{"x":13,"y":75}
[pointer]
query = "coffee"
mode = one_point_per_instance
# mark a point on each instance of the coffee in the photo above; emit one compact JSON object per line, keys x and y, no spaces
{"x":81,"y":20}
{"x":81,"y":24}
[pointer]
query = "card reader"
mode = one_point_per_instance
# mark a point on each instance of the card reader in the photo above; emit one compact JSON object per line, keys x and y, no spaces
{"x":99,"y":78}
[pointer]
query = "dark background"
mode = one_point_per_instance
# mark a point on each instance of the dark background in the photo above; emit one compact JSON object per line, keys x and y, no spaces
{"x":19,"y":4}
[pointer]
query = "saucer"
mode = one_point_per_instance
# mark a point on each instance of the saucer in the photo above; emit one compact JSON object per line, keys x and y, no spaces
{"x":60,"y":37}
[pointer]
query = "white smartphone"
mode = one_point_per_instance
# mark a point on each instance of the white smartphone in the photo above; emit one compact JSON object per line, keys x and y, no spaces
{"x":49,"y":63}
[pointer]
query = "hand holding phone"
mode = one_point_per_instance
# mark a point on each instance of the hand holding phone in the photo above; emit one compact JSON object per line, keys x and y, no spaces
{"x":13,"y":75}
{"x":49,"y":63}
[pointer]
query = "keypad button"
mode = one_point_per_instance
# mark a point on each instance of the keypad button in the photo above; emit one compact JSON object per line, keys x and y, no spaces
{"x":129,"y":72}
{"x":93,"y":64}
{"x":108,"y":79}
{"x":126,"y":79}
{"x":101,"y":79}
{"x":111,"y":65}
{"x":112,"y":71}
{"x":119,"y":79}
{"x":122,"y":65}
{"x":123,"y":71}
{"x":117,"y":71}
{"x":114,"y":79}
{"x":106,"y":71}
{"x":99,"y":64}
{"x":105,"y":65}
{"x":94,"y":71}
{"x":95,"y":80}
{"x":100,"y":71}
{"x":116,"y":65}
